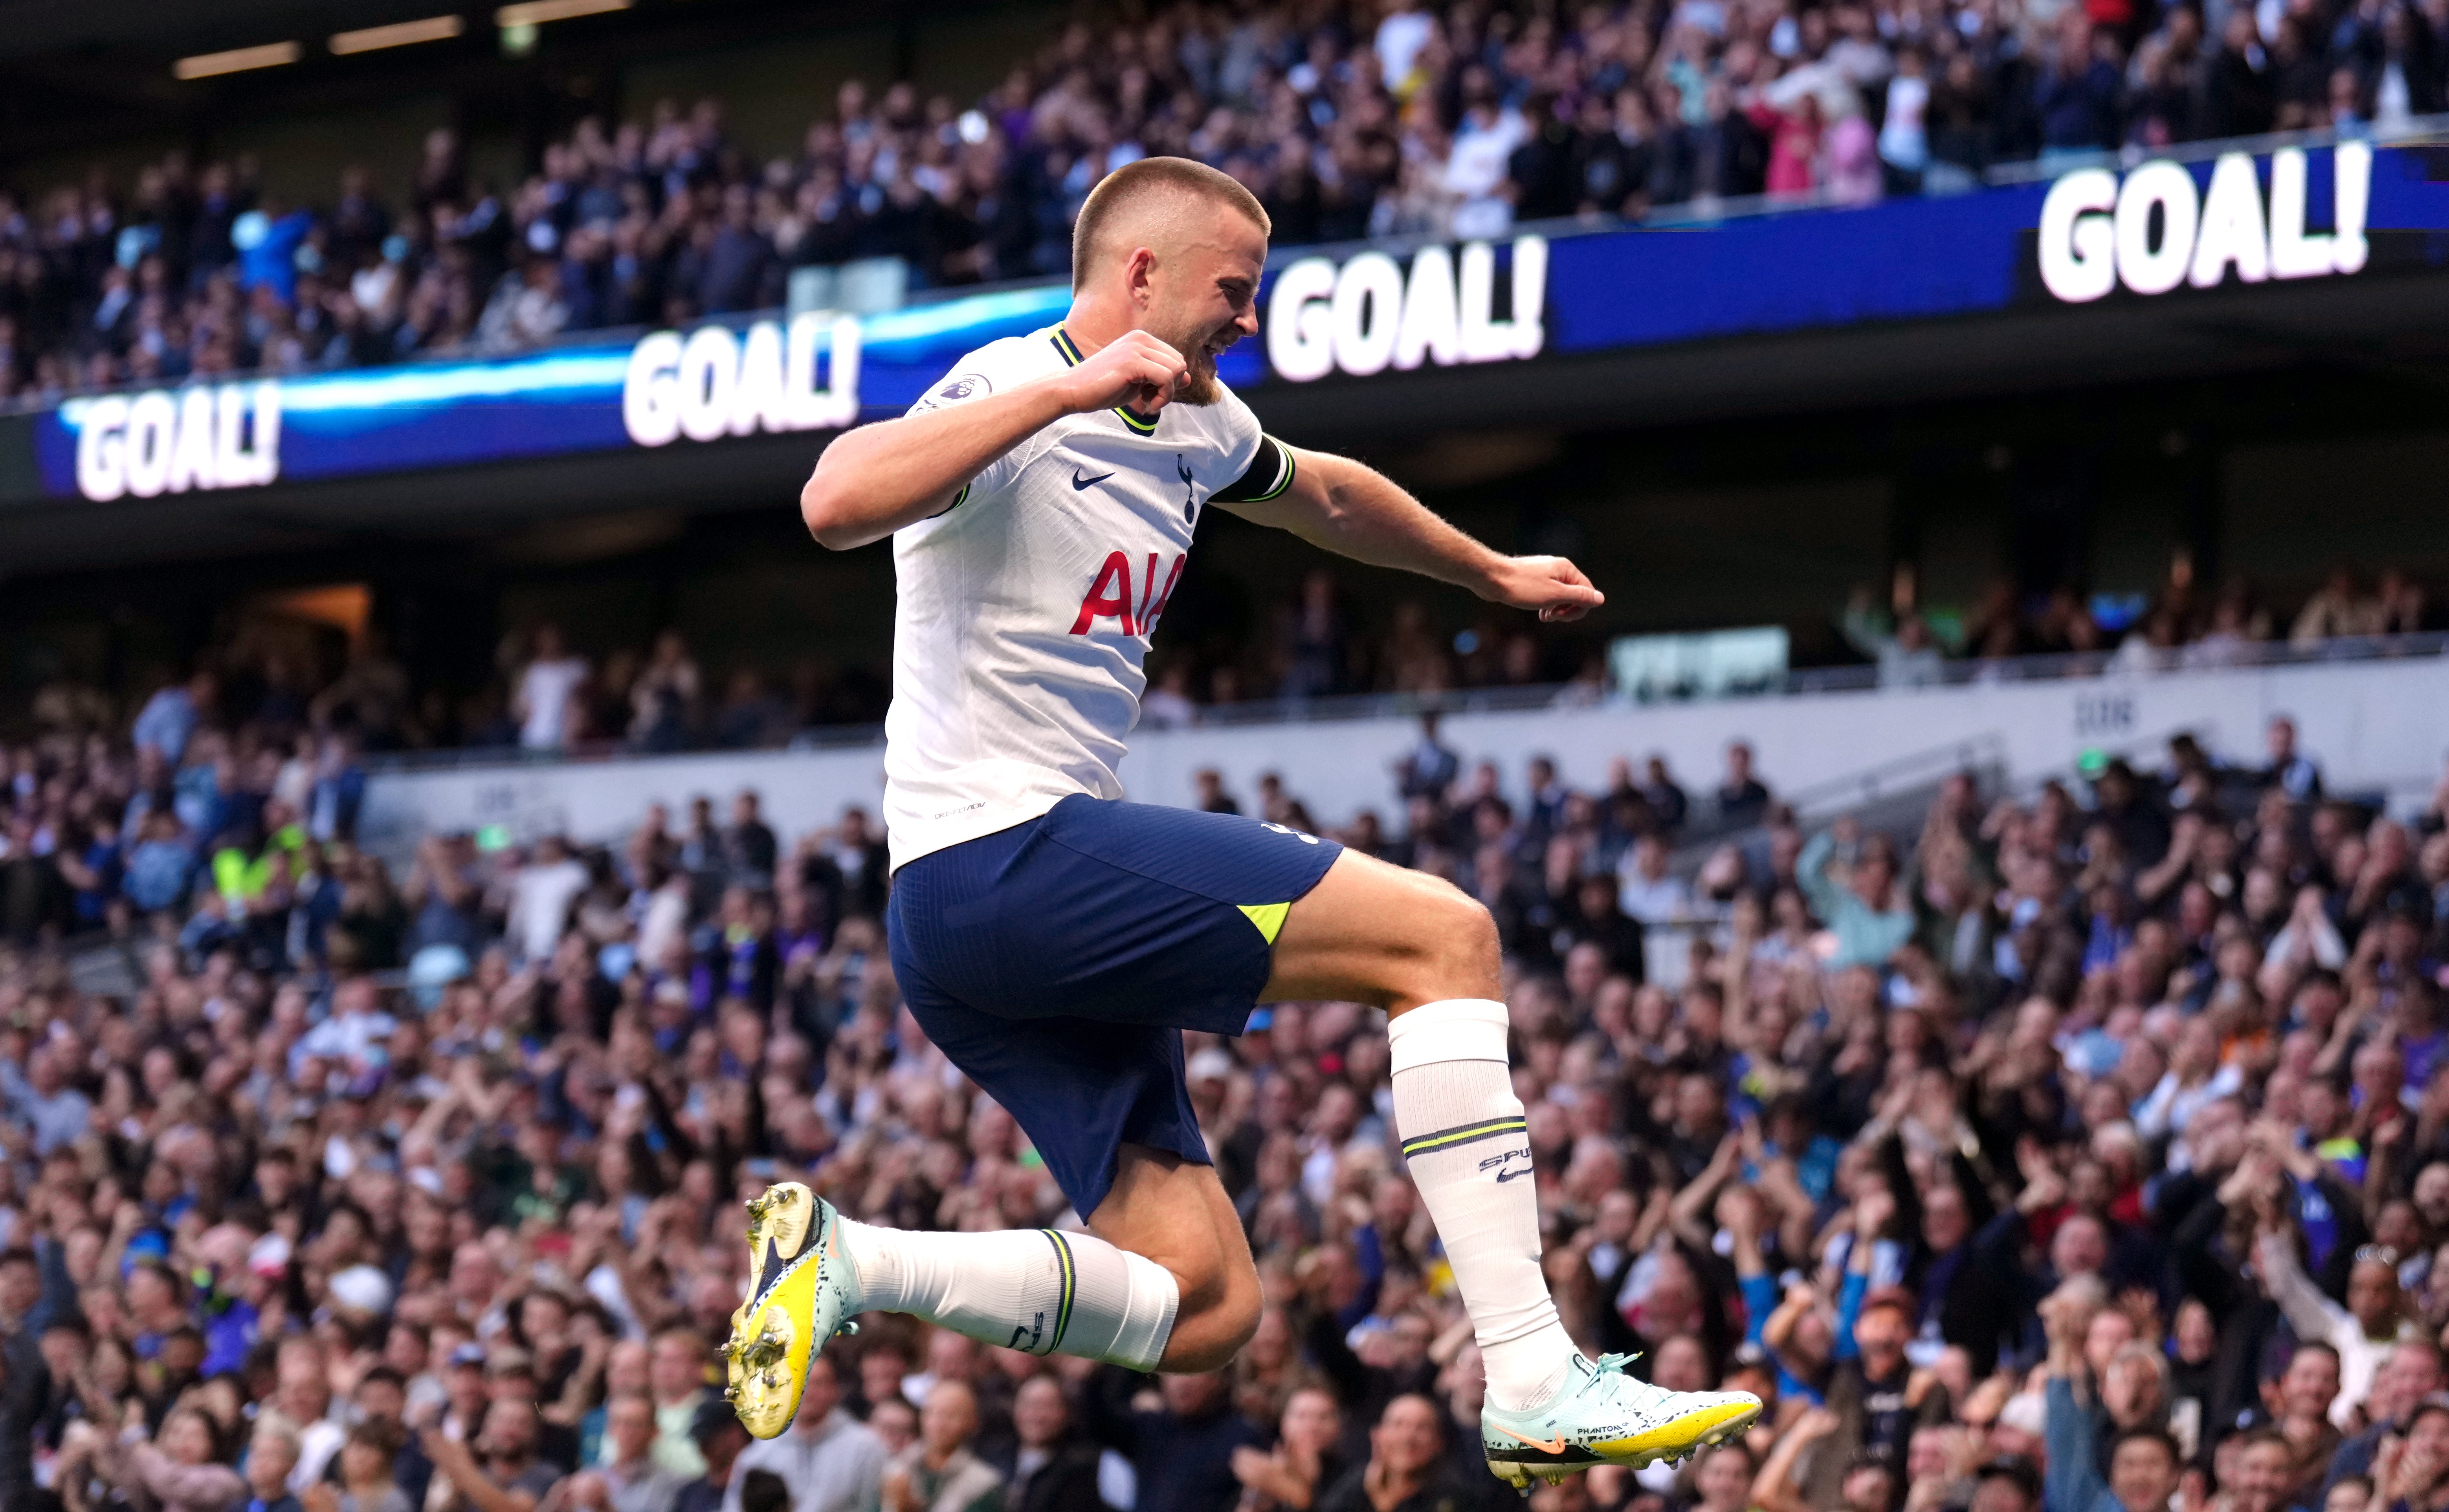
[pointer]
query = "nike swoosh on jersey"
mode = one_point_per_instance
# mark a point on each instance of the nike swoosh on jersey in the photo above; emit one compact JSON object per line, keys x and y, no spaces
{"x":1078,"y":482}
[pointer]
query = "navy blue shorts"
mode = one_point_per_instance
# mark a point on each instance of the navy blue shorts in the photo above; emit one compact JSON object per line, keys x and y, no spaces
{"x":1057,"y":961}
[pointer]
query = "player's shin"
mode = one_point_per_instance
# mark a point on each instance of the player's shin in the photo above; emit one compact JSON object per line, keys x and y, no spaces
{"x":1469,"y":1152}
{"x":1039,"y":1290}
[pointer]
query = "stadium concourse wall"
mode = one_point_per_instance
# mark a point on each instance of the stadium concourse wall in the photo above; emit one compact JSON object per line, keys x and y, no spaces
{"x":2375,"y":726}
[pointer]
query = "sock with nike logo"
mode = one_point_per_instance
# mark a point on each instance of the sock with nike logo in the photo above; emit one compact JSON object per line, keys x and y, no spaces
{"x":1469,"y":1150}
{"x":1038,"y":1291}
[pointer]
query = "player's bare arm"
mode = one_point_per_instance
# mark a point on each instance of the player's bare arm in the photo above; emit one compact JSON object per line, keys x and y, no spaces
{"x":1351,"y":509}
{"x":875,"y":479}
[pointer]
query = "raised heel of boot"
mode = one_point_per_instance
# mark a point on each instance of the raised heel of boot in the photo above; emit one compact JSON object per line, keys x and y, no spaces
{"x":779,"y":1219}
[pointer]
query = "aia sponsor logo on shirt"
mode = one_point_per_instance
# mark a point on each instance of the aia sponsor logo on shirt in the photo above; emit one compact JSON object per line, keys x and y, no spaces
{"x":1133,"y":606}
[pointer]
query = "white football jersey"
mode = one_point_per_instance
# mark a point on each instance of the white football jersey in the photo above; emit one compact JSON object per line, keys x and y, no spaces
{"x":1024,"y":611}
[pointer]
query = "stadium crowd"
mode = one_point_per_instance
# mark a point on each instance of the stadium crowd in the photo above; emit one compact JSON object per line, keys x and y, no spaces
{"x":2178,"y":627}
{"x":1347,"y":119}
{"x":2082,"y":1152}
{"x":267,"y":689}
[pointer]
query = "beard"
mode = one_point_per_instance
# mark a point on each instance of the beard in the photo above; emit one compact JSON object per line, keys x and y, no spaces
{"x":1199,"y":384}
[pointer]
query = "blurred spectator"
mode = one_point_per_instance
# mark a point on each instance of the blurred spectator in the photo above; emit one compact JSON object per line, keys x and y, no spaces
{"x":676,"y":1374}
{"x":547,"y":692}
{"x":1430,"y":767}
{"x":272,"y":1459}
{"x":1168,"y":702}
{"x":367,"y":1478}
{"x":2291,"y":771}
{"x":1308,"y":1459}
{"x":171,"y":715}
{"x":663,"y":697}
{"x":1667,"y":803}
{"x":1906,"y":655}
{"x":1211,"y":798}
{"x":1742,"y":799}
{"x":828,"y":1461}
{"x":720,"y":1440}
{"x":1869,"y":912}
{"x":541,"y":894}
{"x":499,"y":1470}
{"x":1054,"y":1467}
{"x":633,"y":1480}
{"x":1181,"y":1449}
{"x":1650,"y":891}
{"x":176,"y":1474}
{"x":938,"y":1473}
{"x":1406,"y":1468}
{"x":2339,"y":607}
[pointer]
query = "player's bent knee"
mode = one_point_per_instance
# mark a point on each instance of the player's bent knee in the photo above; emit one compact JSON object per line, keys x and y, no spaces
{"x":1459,"y":952}
{"x":1475,"y":944}
{"x":1210,"y":1331}
{"x":1238,"y":1321}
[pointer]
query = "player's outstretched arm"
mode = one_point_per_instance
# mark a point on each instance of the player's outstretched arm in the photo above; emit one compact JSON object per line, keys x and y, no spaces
{"x":1352,"y":509}
{"x":876,"y":478}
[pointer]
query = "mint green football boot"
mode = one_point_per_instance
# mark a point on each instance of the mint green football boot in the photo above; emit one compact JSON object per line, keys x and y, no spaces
{"x":1604,"y":1416}
{"x":804,"y":1292}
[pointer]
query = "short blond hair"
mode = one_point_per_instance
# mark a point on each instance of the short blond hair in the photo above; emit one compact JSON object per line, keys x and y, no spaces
{"x":1133,"y":182}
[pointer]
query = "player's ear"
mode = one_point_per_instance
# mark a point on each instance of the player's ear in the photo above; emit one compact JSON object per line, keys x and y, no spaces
{"x":1142,"y":274}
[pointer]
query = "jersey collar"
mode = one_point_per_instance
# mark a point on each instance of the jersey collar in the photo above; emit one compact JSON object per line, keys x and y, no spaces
{"x":1073,"y":356}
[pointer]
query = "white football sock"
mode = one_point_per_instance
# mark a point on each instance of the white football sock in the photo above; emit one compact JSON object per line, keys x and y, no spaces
{"x":1469,"y":1150}
{"x":1037,"y":1291}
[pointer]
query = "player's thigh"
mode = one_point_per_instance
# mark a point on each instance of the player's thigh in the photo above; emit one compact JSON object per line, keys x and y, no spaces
{"x":1377,"y":933}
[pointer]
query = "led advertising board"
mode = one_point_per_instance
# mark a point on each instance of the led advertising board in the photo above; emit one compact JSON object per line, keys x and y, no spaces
{"x":1353,"y":315}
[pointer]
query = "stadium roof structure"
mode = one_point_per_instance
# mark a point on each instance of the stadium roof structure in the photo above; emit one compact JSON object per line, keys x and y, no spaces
{"x":28,"y":27}
{"x":88,"y":74}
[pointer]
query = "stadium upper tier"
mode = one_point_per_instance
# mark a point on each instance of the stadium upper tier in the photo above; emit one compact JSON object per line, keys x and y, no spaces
{"x":2205,"y":259}
{"x":1449,"y":124}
